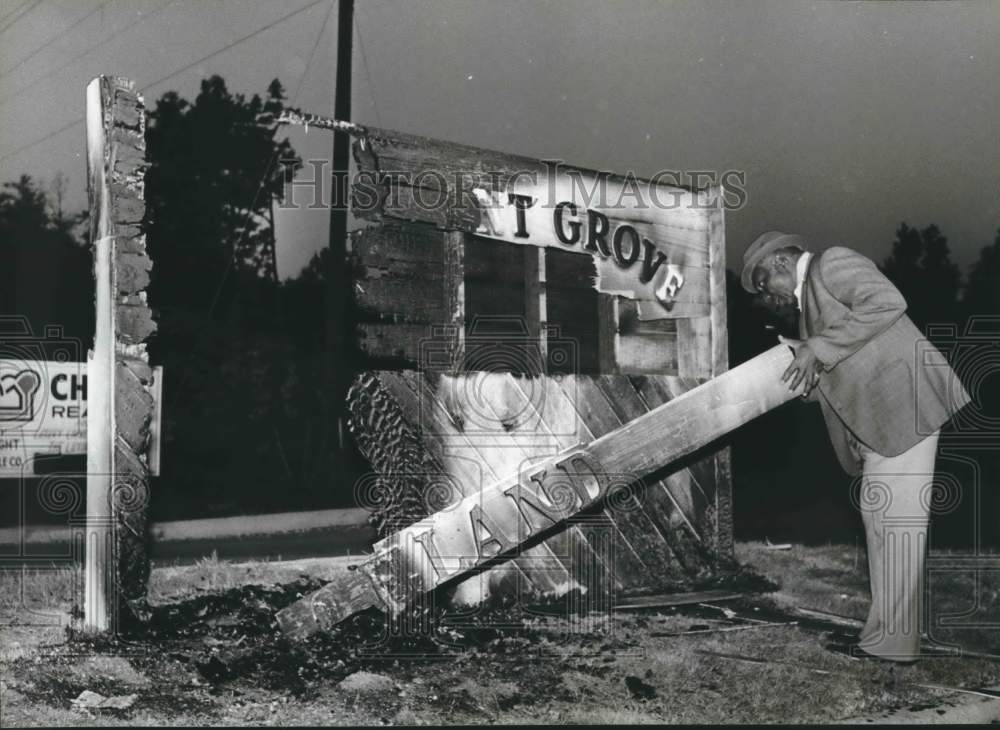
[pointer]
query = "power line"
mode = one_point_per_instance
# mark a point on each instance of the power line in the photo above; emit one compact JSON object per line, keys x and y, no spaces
{"x":48,"y":136}
{"x":364,"y":62}
{"x":12,"y":11}
{"x":168,"y":77}
{"x":260,"y":185}
{"x":20,"y":14}
{"x":312,"y":53}
{"x":230,"y":45}
{"x":99,"y":44}
{"x":52,"y":40}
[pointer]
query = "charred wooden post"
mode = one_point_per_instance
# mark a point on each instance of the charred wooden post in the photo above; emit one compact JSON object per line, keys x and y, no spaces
{"x":396,"y":495}
{"x":119,"y":374}
{"x":500,"y":521}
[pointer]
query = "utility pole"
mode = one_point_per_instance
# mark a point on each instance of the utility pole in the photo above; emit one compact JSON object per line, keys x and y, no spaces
{"x":337,"y":279}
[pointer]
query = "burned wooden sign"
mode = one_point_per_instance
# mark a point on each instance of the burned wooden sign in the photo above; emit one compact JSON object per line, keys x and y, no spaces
{"x":647,"y":238}
{"x":499,"y":521}
{"x":509,"y":309}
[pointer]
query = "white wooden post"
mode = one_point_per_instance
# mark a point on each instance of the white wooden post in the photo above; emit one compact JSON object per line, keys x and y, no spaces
{"x":98,"y":570}
{"x":119,"y":374}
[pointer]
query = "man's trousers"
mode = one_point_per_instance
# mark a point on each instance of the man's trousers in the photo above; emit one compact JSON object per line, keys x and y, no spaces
{"x":894,"y":499}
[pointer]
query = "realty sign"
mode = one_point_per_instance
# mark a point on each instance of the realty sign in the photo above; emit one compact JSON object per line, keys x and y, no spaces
{"x":43,"y":411}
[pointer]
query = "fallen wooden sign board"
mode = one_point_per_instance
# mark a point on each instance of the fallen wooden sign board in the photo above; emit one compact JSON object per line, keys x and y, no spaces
{"x":492,"y":525}
{"x":676,"y":599}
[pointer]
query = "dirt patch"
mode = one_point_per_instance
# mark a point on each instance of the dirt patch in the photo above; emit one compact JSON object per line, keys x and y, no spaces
{"x":219,"y":658}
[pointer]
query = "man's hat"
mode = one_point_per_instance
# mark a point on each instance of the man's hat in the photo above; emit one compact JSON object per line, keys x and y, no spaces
{"x":765,"y":244}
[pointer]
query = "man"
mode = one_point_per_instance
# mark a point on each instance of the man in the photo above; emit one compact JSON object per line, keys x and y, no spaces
{"x":885,"y":392}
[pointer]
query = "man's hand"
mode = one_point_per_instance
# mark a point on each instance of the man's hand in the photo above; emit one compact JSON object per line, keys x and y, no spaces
{"x":805,"y":366}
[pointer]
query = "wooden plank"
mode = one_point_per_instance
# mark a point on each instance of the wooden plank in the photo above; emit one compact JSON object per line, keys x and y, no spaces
{"x":535,"y":299}
{"x":454,"y":296}
{"x":116,"y":560}
{"x":694,"y":347}
{"x":434,"y":428}
{"x":724,"y":536}
{"x":409,"y":479}
{"x":418,"y":300}
{"x":719,"y":356}
{"x":464,"y":188}
{"x":692,"y":485}
{"x":453,"y":423}
{"x":719,"y":351}
{"x":630,"y":570}
{"x":630,"y":324}
{"x":675,"y":528}
{"x":495,"y":400}
{"x":647,"y":354}
{"x":417,"y":396}
{"x":459,"y":541}
{"x":573,"y":272}
{"x":98,"y":568}
{"x":677,"y":599}
{"x":560,"y":419}
{"x":696,"y":479}
{"x":394,"y":242}
{"x":645,"y":346}
{"x":548,"y":435}
{"x":607,"y":333}
{"x":377,"y":267}
{"x":394,"y":340}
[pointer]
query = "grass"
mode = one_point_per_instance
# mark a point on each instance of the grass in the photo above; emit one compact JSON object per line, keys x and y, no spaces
{"x":555,"y":672}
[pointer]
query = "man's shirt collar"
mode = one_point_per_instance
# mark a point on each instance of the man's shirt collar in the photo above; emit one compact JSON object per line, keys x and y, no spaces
{"x":801,"y":266}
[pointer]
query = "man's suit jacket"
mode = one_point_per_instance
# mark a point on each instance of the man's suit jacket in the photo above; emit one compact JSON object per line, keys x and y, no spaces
{"x":881,"y":378}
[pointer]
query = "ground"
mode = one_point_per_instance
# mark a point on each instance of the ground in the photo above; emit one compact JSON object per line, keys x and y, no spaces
{"x":212,"y":655}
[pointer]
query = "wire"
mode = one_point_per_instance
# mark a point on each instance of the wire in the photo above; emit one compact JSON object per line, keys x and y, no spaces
{"x":50,"y":135}
{"x":368,"y":76}
{"x":21,"y":13}
{"x":37,"y":142}
{"x":230,"y":45}
{"x":260,"y":185}
{"x":52,"y":40}
{"x":268,"y":169}
{"x":104,"y":41}
{"x":312,"y":53}
{"x":12,"y":11}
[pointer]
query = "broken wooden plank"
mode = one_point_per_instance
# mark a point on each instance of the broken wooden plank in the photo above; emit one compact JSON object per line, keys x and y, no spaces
{"x":675,"y":530}
{"x":830,"y":618}
{"x":491,"y":526}
{"x":676,"y":599}
{"x":725,"y":629}
{"x":759,"y":660}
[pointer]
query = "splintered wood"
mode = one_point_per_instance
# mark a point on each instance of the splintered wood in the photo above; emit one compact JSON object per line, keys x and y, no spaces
{"x":121,"y":405}
{"x":501,"y":521}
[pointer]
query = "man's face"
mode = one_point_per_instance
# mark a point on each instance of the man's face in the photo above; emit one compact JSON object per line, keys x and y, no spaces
{"x":774,"y":280}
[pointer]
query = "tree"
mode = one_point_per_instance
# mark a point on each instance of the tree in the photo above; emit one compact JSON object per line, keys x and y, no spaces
{"x":244,"y":423}
{"x":921,"y":268}
{"x":213,"y":174}
{"x":46,"y":276}
{"x":982,"y":293}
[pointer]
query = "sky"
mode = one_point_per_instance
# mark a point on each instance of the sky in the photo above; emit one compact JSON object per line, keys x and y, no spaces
{"x":846,"y":117}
